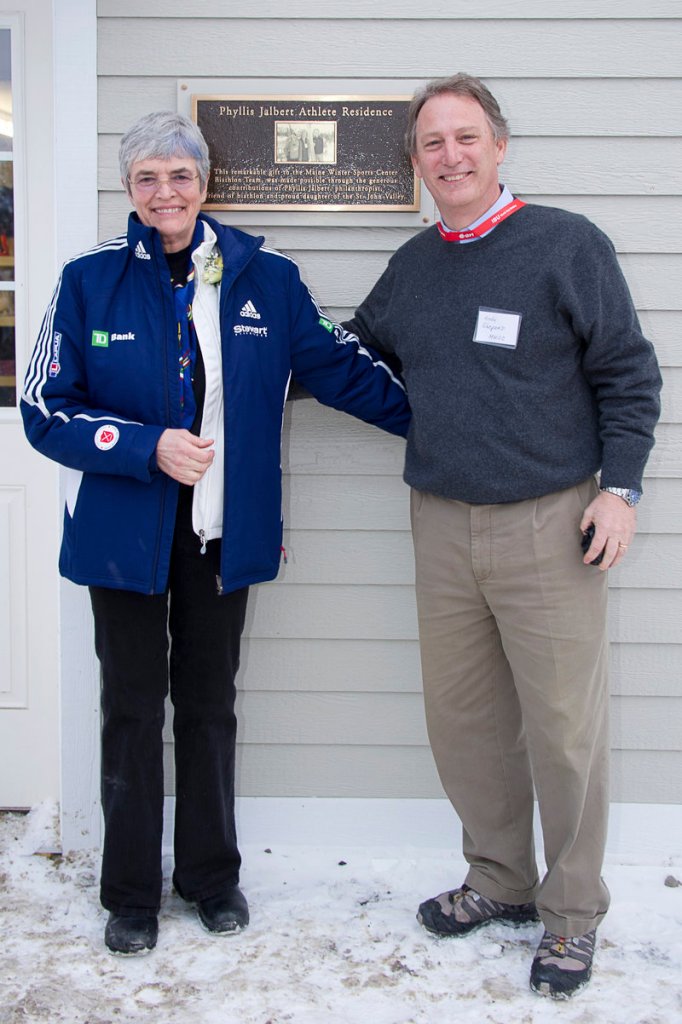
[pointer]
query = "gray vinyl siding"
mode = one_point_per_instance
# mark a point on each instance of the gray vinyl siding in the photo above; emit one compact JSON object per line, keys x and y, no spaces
{"x":329,"y":698}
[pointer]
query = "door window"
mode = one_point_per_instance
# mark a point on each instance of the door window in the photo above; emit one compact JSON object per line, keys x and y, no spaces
{"x":8,"y":364}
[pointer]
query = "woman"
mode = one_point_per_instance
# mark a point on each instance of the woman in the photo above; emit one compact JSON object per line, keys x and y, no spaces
{"x":293,"y":145}
{"x":159,"y":379}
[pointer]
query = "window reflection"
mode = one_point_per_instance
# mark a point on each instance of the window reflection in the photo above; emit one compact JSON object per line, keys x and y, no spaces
{"x":6,"y":120}
{"x":6,"y":214}
{"x":7,"y":364}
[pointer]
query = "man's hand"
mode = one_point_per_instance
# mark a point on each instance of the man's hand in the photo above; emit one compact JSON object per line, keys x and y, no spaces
{"x":614,"y":527}
{"x":183,"y":456}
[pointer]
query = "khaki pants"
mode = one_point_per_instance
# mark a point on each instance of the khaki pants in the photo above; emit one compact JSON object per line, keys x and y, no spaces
{"x":512,"y":630}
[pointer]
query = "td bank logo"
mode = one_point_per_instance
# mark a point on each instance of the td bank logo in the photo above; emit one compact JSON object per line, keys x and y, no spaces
{"x":100,"y":339}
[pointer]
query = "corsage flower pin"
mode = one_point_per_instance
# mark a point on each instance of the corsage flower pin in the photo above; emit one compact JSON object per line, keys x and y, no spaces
{"x":213,"y":268}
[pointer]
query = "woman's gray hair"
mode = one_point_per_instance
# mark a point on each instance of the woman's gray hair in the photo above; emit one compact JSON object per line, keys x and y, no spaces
{"x":460,"y":84}
{"x":162,"y":136}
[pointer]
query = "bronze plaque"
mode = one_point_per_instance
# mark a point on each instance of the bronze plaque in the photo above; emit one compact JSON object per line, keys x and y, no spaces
{"x":307,"y":152}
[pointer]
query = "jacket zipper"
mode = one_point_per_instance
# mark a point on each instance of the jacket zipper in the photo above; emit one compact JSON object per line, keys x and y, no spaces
{"x":164,"y":492}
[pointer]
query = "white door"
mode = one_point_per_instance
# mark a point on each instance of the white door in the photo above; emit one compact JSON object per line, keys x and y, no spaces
{"x":29,"y":507}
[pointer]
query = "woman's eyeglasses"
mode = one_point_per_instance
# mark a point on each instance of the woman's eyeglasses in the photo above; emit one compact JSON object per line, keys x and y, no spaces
{"x":150,"y":182}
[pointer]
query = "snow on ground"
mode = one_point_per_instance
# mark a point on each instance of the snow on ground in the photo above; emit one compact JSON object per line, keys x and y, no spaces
{"x":333,"y":940}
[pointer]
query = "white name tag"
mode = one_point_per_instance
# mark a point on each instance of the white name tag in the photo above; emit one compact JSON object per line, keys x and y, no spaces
{"x":497,"y":327}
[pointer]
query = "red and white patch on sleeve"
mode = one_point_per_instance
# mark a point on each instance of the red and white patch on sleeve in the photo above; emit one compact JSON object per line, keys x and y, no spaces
{"x":106,"y":436}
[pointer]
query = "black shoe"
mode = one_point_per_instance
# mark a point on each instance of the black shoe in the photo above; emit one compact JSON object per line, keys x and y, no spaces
{"x":562,"y":966}
{"x":224,"y":914}
{"x":131,"y":936}
{"x":463,"y":910}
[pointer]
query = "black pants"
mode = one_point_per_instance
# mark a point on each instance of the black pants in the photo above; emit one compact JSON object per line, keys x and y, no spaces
{"x":132,"y":633}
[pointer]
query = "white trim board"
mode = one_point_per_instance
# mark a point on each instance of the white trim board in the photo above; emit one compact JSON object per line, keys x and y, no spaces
{"x":75,"y":156}
{"x":638,"y":833}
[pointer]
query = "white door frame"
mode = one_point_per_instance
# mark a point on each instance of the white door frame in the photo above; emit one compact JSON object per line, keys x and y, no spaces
{"x":75,"y":196}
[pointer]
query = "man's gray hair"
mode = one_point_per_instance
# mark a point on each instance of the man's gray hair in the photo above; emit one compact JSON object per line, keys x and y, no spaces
{"x":460,"y":84}
{"x":161,"y":136}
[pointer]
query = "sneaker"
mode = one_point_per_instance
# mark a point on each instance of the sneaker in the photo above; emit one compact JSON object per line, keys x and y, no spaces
{"x":464,"y":910}
{"x":131,"y":936}
{"x":562,"y":966}
{"x":224,"y":914}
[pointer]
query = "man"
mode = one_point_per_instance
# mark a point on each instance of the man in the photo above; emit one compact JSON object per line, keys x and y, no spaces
{"x":527,"y":373}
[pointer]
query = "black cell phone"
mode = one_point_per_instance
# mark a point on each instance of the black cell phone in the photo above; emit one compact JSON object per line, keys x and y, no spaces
{"x":585,"y":542}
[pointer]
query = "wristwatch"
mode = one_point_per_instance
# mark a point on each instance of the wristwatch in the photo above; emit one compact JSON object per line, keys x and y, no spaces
{"x":628,"y":495}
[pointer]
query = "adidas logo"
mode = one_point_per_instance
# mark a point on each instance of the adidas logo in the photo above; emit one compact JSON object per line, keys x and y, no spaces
{"x":249,"y":310}
{"x":141,"y":252}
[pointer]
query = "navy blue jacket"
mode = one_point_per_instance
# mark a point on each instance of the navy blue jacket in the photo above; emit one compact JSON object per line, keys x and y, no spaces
{"x":103,"y":385}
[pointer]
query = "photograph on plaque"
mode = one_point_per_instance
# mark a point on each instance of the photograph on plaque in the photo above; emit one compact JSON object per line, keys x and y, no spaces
{"x":305,"y":143}
{"x":307,"y":152}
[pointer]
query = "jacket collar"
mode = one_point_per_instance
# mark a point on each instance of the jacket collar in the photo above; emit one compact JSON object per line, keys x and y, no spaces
{"x":237,"y":248}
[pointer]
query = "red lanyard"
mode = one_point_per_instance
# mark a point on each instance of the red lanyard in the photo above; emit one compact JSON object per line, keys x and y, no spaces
{"x":481,"y":229}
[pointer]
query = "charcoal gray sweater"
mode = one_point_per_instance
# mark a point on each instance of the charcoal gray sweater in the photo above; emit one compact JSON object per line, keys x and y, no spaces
{"x":494,"y":424}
